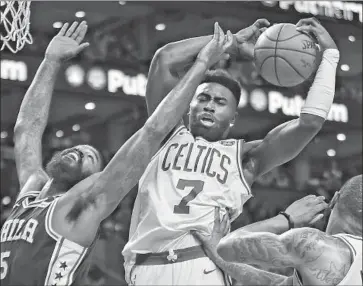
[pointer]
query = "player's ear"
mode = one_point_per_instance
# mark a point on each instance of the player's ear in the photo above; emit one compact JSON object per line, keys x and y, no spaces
{"x":233,"y":121}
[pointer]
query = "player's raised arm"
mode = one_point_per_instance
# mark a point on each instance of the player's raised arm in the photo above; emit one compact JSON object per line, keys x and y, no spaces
{"x":106,"y":189}
{"x":287,"y":140}
{"x":34,"y":110}
{"x":173,"y":60}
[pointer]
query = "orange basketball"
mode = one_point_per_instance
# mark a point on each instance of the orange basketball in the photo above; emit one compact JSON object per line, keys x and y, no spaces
{"x":285,"y":56}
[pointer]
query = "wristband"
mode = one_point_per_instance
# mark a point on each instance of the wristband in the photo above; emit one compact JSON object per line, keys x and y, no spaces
{"x":321,"y":94}
{"x":288,"y":217}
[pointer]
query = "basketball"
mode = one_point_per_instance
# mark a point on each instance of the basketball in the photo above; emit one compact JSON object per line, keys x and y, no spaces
{"x":284,"y":56}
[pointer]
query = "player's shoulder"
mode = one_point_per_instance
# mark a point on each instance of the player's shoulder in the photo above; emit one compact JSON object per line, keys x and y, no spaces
{"x":310,"y":243}
{"x":34,"y":184}
{"x":307,"y":234}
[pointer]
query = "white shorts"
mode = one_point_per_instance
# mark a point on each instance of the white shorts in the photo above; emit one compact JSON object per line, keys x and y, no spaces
{"x":200,"y":271}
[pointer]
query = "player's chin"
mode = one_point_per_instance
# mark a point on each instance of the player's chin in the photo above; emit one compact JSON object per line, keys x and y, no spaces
{"x":210,"y":132}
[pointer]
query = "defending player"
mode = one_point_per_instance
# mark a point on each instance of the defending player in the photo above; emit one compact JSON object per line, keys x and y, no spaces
{"x":197,"y":169}
{"x":55,"y":220}
{"x":331,"y":258}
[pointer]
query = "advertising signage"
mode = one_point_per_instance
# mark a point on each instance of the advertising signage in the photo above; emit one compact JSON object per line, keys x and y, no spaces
{"x":340,"y":10}
{"x":105,"y":81}
{"x":274,"y":101}
{"x":77,"y":77}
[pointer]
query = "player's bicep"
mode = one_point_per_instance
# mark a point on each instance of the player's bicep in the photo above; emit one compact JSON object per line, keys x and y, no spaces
{"x":281,"y":145}
{"x":28,"y":155}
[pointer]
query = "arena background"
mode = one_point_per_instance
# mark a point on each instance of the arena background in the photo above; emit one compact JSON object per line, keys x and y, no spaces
{"x":99,"y":97}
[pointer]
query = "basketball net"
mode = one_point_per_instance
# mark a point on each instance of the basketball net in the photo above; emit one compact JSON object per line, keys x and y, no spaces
{"x":15,"y":22}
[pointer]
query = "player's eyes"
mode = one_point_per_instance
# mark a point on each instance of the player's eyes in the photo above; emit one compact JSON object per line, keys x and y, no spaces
{"x":92,"y":159}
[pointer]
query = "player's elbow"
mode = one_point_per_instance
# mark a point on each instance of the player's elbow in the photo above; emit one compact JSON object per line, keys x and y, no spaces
{"x":20,"y":130}
{"x":225,"y":250}
{"x":163,"y":55}
{"x":311,"y":122}
{"x":20,"y":127}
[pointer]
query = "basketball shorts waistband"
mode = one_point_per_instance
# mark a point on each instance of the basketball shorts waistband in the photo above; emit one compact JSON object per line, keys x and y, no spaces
{"x":170,"y":257}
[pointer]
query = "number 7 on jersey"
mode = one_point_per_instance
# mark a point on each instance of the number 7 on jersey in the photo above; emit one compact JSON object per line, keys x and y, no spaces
{"x":197,"y":187}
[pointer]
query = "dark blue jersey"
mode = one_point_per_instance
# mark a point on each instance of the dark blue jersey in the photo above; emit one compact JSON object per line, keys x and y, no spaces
{"x":32,"y":253}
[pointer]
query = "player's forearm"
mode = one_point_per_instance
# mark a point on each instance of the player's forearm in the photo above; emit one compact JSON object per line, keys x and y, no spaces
{"x":321,"y":93}
{"x":248,"y":275}
{"x":169,"y":64}
{"x":170,"y":111}
{"x":262,"y":248}
{"x":179,"y":56}
{"x":277,"y":225}
{"x":34,"y":109}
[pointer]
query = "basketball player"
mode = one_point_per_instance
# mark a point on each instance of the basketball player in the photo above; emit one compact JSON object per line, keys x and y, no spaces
{"x":197,"y":168}
{"x":331,"y":258}
{"x":55,"y":220}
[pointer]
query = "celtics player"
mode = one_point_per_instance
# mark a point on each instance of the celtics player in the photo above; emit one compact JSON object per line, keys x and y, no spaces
{"x":55,"y":220}
{"x":198,"y":169}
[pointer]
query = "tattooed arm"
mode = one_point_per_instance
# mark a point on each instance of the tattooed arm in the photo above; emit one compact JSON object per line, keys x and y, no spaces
{"x":241,"y":273}
{"x":244,"y":274}
{"x":319,"y":258}
{"x":34,"y":110}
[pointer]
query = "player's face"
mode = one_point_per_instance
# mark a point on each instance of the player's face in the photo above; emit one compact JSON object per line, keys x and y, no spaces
{"x":212,"y":111}
{"x":74,"y":164}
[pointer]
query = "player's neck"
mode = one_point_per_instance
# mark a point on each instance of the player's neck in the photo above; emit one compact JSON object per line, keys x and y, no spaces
{"x":209,"y":138}
{"x":55,"y":188}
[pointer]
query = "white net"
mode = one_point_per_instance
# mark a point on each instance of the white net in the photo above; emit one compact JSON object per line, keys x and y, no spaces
{"x":15,"y":24}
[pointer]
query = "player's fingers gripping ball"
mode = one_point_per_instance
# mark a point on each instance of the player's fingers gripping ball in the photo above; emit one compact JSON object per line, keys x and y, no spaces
{"x":285,"y":56}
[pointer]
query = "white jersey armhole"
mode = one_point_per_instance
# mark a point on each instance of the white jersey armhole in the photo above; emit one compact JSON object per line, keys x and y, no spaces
{"x":56,"y":236}
{"x":239,"y":164}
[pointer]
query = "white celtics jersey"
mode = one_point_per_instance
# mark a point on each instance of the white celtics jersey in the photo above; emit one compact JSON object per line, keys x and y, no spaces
{"x":355,"y":274}
{"x":183,"y":183}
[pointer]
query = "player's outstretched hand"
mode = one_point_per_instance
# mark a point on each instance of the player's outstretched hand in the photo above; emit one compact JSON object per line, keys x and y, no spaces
{"x":67,"y":43}
{"x":313,"y":26}
{"x":216,"y":49}
{"x":307,"y":210}
{"x":220,"y":229}
{"x":244,"y":40}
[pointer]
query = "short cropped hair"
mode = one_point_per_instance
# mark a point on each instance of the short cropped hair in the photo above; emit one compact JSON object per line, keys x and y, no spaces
{"x":350,"y":199}
{"x":224,"y":78}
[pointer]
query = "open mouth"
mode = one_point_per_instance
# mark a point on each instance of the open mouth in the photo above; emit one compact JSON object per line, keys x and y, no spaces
{"x":73,"y":156}
{"x":207,"y":119}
